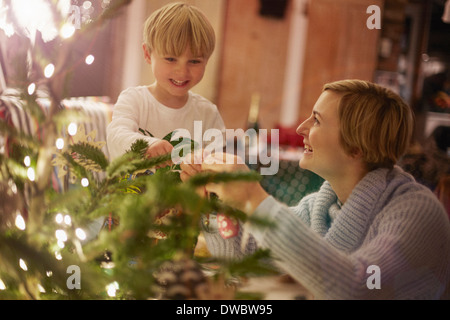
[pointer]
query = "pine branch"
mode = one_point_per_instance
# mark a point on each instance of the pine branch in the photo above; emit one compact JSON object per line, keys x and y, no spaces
{"x":146,"y":132}
{"x":204,"y":178}
{"x":257,"y":264}
{"x":120,"y":166}
{"x":40,"y":262}
{"x":89,"y":155}
{"x":139,"y":147}
{"x":78,"y":169}
{"x":17,"y":136}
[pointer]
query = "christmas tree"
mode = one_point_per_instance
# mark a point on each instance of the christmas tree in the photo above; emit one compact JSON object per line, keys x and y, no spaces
{"x":146,"y":220}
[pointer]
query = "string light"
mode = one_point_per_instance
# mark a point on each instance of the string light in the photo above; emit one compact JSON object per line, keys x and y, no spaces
{"x":67,"y":30}
{"x":27,"y":161}
{"x":7,"y":27}
{"x":49,"y":70}
{"x":2,"y":285}
{"x":58,"y":255}
{"x":59,"y":218}
{"x":87,"y":5}
{"x":20,"y":222}
{"x":60,"y":244}
{"x":23,"y":265}
{"x":112,"y":288}
{"x":80,"y":233}
{"x":41,"y":288}
{"x":67,"y":220}
{"x":84,"y":182}
{"x":13,"y":186}
{"x":31,"y":88}
{"x":30,"y":174}
{"x":61,"y":235}
{"x":89,"y":59}
{"x":72,"y":128}
{"x":59,"y":143}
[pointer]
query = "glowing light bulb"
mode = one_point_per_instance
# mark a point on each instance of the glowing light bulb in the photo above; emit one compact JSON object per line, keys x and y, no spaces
{"x":31,"y":88}
{"x":60,"y":244}
{"x":87,"y":5}
{"x":20,"y":222}
{"x":89,"y":59}
{"x":112,"y":288}
{"x":30,"y":174}
{"x":80,"y":234}
{"x":67,"y":30}
{"x":41,"y":288}
{"x":2,"y":285}
{"x":59,"y":218}
{"x":84,"y":182}
{"x":67,"y":220}
{"x":49,"y":70}
{"x":33,"y":16}
{"x":23,"y":265}
{"x":72,"y":128}
{"x":59,"y":143}
{"x":61,"y":235}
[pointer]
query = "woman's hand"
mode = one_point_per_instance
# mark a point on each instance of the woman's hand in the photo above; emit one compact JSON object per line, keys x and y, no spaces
{"x":245,"y":196}
{"x":190,"y":166}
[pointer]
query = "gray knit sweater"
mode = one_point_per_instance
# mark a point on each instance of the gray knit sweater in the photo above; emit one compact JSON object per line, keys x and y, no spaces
{"x":389,"y":221}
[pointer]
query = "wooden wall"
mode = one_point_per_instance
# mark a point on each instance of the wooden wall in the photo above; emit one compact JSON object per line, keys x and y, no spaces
{"x":253,"y":61}
{"x":338,"y":46}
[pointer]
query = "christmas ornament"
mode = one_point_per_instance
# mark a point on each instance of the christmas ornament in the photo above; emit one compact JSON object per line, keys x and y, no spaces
{"x":228,"y":226}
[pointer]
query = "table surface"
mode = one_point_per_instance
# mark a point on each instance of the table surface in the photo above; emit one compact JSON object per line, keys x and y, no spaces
{"x":279,"y":287}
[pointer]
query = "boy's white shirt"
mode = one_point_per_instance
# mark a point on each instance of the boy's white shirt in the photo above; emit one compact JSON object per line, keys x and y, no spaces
{"x":137,"y":108}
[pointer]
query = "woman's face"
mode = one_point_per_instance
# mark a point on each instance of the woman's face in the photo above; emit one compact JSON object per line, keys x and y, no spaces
{"x":323,"y":152}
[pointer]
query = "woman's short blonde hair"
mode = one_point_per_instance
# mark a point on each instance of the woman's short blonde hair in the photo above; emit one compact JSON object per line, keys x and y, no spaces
{"x":172,"y":28}
{"x":374,"y":121}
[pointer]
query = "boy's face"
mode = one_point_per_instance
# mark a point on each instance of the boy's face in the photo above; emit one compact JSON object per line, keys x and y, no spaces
{"x":175,"y":76}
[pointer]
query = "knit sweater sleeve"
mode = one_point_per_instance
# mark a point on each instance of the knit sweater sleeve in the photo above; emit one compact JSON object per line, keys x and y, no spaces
{"x":244,"y":242}
{"x":404,"y":242}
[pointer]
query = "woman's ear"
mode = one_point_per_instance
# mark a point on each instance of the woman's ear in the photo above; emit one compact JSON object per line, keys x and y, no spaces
{"x":356,"y":153}
{"x":147,"y":55}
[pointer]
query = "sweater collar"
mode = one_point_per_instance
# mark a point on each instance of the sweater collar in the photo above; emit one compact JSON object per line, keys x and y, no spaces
{"x":349,"y":228}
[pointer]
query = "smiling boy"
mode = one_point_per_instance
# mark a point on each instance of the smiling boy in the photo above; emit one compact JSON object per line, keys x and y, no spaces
{"x":178,"y":41}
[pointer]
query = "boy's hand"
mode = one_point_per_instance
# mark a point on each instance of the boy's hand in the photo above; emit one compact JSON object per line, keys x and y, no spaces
{"x":159,"y":148}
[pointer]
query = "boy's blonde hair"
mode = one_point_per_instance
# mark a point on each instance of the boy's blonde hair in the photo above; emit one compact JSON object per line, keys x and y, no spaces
{"x":174,"y":27}
{"x":374,"y":121}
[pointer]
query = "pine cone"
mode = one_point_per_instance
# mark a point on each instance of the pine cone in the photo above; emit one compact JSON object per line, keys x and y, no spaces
{"x":181,"y":280}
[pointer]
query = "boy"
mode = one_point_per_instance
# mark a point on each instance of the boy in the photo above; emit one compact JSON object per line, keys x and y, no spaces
{"x":178,"y":41}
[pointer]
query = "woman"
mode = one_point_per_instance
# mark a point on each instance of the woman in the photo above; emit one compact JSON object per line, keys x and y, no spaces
{"x":371,"y":231}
